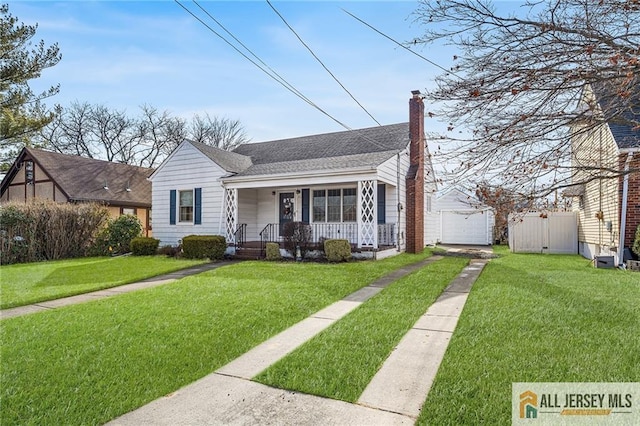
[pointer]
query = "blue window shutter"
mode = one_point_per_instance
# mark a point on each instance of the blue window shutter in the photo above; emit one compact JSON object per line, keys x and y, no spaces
{"x":172,"y":207}
{"x":382,"y":204}
{"x":197,"y":206}
{"x":305,"y":205}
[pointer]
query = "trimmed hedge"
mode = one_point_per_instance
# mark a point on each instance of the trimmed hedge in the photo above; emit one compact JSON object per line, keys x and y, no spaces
{"x":273,"y":251}
{"x":204,"y":246}
{"x":337,"y":250}
{"x":144,"y":246}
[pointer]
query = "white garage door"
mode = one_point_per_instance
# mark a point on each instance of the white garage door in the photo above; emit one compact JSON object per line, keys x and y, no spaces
{"x":465,"y":227}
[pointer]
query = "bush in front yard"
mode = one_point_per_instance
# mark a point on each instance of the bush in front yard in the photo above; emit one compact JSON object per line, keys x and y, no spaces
{"x":337,"y":250}
{"x":117,"y":236}
{"x":204,"y":246}
{"x":297,"y":234}
{"x":273,"y":251}
{"x":144,"y":246}
{"x":170,"y":251}
{"x":122,"y":231}
{"x":636,"y":244}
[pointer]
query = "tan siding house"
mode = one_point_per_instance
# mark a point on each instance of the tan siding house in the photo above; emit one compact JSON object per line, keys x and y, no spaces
{"x":598,"y":158}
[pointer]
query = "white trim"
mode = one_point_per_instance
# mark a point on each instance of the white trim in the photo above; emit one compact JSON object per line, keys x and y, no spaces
{"x":308,"y":178}
{"x":628,"y":150}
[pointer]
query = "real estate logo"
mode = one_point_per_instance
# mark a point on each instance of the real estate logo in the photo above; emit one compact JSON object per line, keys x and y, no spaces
{"x":575,"y":403}
{"x":528,"y":405}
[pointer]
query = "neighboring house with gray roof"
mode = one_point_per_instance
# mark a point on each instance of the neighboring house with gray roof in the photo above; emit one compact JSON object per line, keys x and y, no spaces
{"x":45,"y":175}
{"x":606,"y":160}
{"x":351,"y":185}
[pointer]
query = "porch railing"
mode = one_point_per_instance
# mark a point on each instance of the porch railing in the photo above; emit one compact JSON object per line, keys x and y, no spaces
{"x":240,"y":236}
{"x":269,"y":233}
{"x":387,"y":234}
{"x":323,"y":231}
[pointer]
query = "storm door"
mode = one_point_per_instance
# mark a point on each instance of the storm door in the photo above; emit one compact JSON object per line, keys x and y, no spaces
{"x":286,"y":209}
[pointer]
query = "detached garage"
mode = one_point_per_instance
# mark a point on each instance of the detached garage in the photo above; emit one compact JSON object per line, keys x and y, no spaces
{"x":463,"y":219}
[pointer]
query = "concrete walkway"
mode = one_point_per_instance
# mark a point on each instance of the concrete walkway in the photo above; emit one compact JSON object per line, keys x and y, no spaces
{"x":394,"y":396}
{"x":108,"y":292}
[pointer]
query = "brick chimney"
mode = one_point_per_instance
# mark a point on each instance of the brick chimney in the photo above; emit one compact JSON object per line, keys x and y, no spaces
{"x":415,"y":175}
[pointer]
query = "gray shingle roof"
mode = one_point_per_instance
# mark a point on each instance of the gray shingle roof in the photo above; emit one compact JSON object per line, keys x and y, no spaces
{"x":230,"y":161}
{"x":623,"y":118}
{"x":329,"y":151}
{"x":355,"y":161}
{"x":83,"y":179}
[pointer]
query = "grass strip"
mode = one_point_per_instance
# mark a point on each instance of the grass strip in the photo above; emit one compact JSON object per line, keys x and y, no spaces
{"x":536,"y":318}
{"x":27,"y":283}
{"x":89,"y":363}
{"x":342,"y":360}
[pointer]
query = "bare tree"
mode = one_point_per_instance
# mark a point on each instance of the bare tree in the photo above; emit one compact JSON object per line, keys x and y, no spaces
{"x":161,"y":132}
{"x":222,"y":133}
{"x":515,"y":88}
{"x":503,"y":202}
{"x":96,"y":131}
{"x":69,"y":132}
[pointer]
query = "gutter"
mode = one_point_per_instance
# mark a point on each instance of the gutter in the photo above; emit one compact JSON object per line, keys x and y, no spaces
{"x":623,"y":214}
{"x":297,"y":175}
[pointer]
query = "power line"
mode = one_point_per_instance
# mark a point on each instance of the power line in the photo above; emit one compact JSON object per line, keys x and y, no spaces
{"x":275,"y":76}
{"x":271,"y":70}
{"x":282,"y":82}
{"x":321,"y":63}
{"x":399,"y":44}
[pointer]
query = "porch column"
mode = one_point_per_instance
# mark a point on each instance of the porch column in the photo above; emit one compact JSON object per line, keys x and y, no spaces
{"x":230,"y":212}
{"x":368,"y":216}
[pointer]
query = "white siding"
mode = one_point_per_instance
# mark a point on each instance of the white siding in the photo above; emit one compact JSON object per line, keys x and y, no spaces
{"x":431,"y":219}
{"x":388,"y":171}
{"x":391,"y":175}
{"x":247,"y":212}
{"x":187,"y":168}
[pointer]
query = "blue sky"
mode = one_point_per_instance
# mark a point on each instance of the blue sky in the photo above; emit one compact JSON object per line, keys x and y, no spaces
{"x":124,"y":54}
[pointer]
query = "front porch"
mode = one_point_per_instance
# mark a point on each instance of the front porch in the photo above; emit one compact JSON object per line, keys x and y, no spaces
{"x":361,"y":212}
{"x":317,"y":232}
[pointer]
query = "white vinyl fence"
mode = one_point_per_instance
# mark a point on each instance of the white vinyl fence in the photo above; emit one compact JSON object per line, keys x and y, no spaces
{"x":543,"y":232}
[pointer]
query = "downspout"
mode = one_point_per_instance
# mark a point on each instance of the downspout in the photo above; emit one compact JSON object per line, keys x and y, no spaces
{"x":399,"y":206}
{"x":623,"y":213}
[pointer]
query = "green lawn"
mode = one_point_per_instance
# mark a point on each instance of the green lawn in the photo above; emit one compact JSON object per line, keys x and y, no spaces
{"x":342,"y":360}
{"x":89,"y":363}
{"x":536,"y":318}
{"x":23,"y":284}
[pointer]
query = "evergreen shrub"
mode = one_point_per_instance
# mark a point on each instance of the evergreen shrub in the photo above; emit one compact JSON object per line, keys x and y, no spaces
{"x":144,"y":246}
{"x":337,"y":250}
{"x":204,"y":246}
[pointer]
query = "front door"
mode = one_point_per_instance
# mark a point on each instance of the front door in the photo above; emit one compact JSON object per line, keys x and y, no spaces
{"x":286,"y":209}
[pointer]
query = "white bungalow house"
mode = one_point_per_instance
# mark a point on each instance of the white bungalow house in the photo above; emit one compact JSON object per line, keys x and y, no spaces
{"x":366,"y":186}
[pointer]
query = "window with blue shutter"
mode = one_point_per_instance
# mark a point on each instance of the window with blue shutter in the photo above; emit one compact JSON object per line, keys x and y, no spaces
{"x":197,"y":217}
{"x":172,"y":207}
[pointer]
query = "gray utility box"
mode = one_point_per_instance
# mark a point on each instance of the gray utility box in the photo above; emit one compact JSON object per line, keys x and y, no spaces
{"x":604,"y":262}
